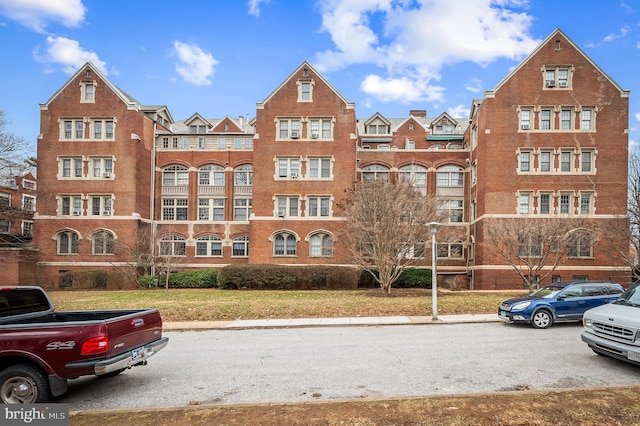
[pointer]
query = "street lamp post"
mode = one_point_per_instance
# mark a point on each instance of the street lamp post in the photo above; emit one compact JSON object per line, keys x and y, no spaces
{"x":434,"y":226}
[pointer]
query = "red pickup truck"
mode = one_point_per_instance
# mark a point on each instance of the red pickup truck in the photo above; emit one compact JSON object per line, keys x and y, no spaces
{"x":40,"y":348}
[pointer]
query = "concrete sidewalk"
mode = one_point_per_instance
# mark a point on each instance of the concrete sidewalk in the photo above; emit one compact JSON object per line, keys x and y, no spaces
{"x":325,"y":322}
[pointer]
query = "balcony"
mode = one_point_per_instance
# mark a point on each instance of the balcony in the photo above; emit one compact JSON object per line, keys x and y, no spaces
{"x":175,"y":190}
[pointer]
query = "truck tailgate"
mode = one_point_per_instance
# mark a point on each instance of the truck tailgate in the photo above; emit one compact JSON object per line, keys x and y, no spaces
{"x":131,"y":331}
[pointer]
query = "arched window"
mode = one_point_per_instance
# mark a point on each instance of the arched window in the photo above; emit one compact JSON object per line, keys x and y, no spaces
{"x":102,"y":242}
{"x":450,"y":192}
{"x":450,"y":176}
{"x":414,"y":174}
{"x":67,"y":242}
{"x":284,"y":244}
{"x":173,"y":245}
{"x":243,"y":175}
{"x":370,"y":173}
{"x":320,"y":244}
{"x":209,"y":246}
{"x":211,"y":175}
{"x":240,"y":247}
{"x":175,"y":176}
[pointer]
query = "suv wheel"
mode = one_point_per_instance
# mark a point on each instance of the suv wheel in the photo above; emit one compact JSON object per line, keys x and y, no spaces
{"x":542,"y":319}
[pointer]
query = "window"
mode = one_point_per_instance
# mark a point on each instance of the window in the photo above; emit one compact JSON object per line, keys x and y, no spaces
{"x":284,"y":244}
{"x":101,"y":205}
{"x":586,"y":203}
{"x":67,"y":242}
{"x":71,"y":205}
{"x":174,"y":208}
{"x":320,"y":244}
{"x":5,"y":199}
{"x":71,"y":168}
{"x":201,"y":142}
{"x":211,"y":209}
{"x":556,"y":77}
{"x":288,"y":167}
{"x":544,"y":206}
{"x":414,"y":174}
{"x":525,"y":119}
{"x":448,"y":176}
{"x":211,"y":175}
{"x":378,"y":129}
{"x":586,"y":159}
{"x":545,"y":119}
{"x":173,"y":245}
{"x":242,"y":142}
{"x":452,"y":209}
{"x":29,"y":203}
{"x":102,"y":242}
{"x":530,"y":246}
{"x":371,"y":173}
{"x":5,"y":225}
{"x":581,"y":244}
{"x":412,"y":251}
{"x":320,"y":128}
{"x":545,"y":161}
{"x":565,"y":119}
{"x":28,"y":184}
{"x":103,"y":129}
{"x":209,"y":246}
{"x":87,"y":92}
{"x":240,"y":247}
{"x":102,"y":167}
{"x":449,"y":249}
{"x":27,"y":228}
{"x":586,"y":119}
{"x":525,"y":161}
{"x":242,"y":209}
{"x":304,"y":90}
{"x":287,"y":206}
{"x":565,"y":161}
{"x":565,"y":203}
{"x":319,"y":206}
{"x":243,"y":176}
{"x":72,"y":129}
{"x":320,"y":168}
{"x":175,"y":176}
{"x":524,"y":205}
{"x":289,"y":128}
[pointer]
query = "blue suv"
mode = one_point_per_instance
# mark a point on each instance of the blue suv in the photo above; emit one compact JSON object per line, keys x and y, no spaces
{"x":559,"y":302}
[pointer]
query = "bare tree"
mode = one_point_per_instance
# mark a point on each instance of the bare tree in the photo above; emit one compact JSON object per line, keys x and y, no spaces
{"x":632,"y":231}
{"x":386,"y":227}
{"x":15,"y":153}
{"x":535,"y":247}
{"x":137,"y":253}
{"x":171,"y":253}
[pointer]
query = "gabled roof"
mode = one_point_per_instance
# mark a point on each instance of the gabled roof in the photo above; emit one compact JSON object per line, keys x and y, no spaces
{"x":379,"y":116}
{"x":305,"y":64}
{"x":126,"y":99}
{"x":196,"y":116}
{"x":548,"y":40}
{"x":441,"y":116}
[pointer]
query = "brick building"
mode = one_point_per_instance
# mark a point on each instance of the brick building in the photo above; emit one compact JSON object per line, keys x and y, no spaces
{"x":117,"y":177}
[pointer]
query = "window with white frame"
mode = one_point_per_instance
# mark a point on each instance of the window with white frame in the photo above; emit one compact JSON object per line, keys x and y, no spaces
{"x":27,"y":228}
{"x":29,"y":203}
{"x":287,"y":206}
{"x":175,"y":208}
{"x":242,"y":209}
{"x":525,"y":161}
{"x":240,"y":142}
{"x":71,"y":167}
{"x":565,"y":202}
{"x":102,"y":167}
{"x":451,"y":209}
{"x":556,"y":78}
{"x":5,"y":199}
{"x":102,"y":242}
{"x":581,"y":244}
{"x":586,"y":161}
{"x":450,"y":176}
{"x":320,"y":128}
{"x":288,"y":167}
{"x":530,"y":245}
{"x":586,"y":203}
{"x":28,"y":184}
{"x":222,"y":142}
{"x":284,"y":244}
{"x":587,"y":116}
{"x":201,"y":142}
{"x":525,"y":119}
{"x":71,"y":205}
{"x":565,"y":161}
{"x":305,"y":91}
{"x":240,"y":247}
{"x":524,"y":203}
{"x":87,"y":92}
{"x":67,"y":242}
{"x":545,"y":119}
{"x":175,"y":176}
{"x":319,"y":206}
{"x":103,"y":129}
{"x":243,"y":176}
{"x":545,"y":158}
{"x":101,"y":205}
{"x":375,"y":172}
{"x":209,"y":246}
{"x":289,"y":128}
{"x":413,"y":174}
{"x":211,"y":208}
{"x":449,"y":249}
{"x":211,"y":175}
{"x":72,"y":129}
{"x":320,"y":244}
{"x":566,"y":119}
{"x":544,"y":203}
{"x":173,"y":245}
{"x":320,"y":168}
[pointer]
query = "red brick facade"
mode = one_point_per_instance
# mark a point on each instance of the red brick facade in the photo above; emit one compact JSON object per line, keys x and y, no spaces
{"x":114,"y":173}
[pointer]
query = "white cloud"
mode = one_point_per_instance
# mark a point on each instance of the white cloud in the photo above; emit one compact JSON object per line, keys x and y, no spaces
{"x":195,"y":65}
{"x":459,"y":111}
{"x":254,"y":6}
{"x":36,"y":14}
{"x":413,"y":40}
{"x":69,"y":54}
{"x":474,"y":85}
{"x":623,"y":32}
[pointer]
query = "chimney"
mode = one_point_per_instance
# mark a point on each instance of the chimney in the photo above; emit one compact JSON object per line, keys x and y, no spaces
{"x":418,"y":113}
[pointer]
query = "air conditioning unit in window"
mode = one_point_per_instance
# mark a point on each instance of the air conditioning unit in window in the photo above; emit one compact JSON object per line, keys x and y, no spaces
{"x":551,"y":83}
{"x":314,"y":135}
{"x":524,"y":127}
{"x":106,"y":213}
{"x":295,"y":134}
{"x":280,"y":212}
{"x":563,"y":84}
{"x":76,"y":213}
{"x":106,"y":175}
{"x":294,"y":175}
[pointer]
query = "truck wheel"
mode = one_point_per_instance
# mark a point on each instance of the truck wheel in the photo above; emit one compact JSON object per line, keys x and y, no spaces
{"x":23,"y":384}
{"x":542,"y":319}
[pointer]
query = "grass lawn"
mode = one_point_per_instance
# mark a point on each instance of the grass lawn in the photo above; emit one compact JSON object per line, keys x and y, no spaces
{"x":214,"y":305}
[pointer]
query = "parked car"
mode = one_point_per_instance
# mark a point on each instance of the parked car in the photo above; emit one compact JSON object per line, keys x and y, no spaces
{"x":614,"y":329}
{"x":41,"y":348}
{"x":559,"y":302}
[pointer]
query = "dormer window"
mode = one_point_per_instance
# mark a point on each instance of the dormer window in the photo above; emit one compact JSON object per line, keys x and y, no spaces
{"x":380,"y":129}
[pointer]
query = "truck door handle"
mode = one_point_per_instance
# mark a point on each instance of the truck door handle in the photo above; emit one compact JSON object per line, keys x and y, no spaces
{"x":138,"y":322}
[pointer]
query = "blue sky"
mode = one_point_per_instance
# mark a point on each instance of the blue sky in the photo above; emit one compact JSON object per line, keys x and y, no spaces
{"x":220,"y":57}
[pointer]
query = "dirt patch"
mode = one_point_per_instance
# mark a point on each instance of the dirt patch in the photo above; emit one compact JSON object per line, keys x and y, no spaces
{"x":584,"y":407}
